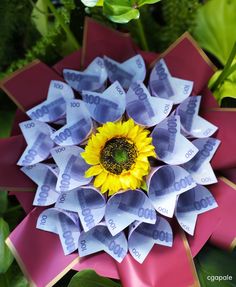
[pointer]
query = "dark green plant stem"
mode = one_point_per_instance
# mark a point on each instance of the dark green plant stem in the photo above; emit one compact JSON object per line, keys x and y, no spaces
{"x":226,"y":71}
{"x":64,"y":26}
{"x":141,"y":34}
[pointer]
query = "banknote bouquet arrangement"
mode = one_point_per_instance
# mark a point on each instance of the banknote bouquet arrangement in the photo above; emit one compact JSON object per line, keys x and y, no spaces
{"x":120,"y":145}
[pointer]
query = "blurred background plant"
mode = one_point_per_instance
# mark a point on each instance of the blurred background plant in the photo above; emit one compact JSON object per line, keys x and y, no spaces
{"x":51,"y":29}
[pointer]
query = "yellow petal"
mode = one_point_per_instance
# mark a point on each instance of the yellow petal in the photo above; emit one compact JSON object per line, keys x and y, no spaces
{"x":125,"y":181}
{"x":100,"y":179}
{"x":90,"y":158}
{"x":106,"y":184}
{"x":142,"y":157}
{"x":103,"y":188}
{"x":152,"y":153}
{"x":133,"y":182}
{"x":141,"y":136}
{"x":138,"y":173}
{"x":93,"y":170}
{"x":142,"y":143}
{"x":91,"y":150}
{"x":143,"y":165}
{"x":109,"y":130}
{"x":133,"y":132}
{"x":98,"y":141}
{"x":147,"y":148}
{"x":115,"y":184}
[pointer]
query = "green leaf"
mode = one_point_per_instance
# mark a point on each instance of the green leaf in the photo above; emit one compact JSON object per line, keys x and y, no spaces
{"x":92,"y":3}
{"x":13,"y":215}
{"x":123,"y":11}
{"x":100,"y":3}
{"x":144,"y":2}
{"x":227,"y":89}
{"x":215,"y":27}
{"x":13,"y":277}
{"x":40,"y":17}
{"x":6,"y":257}
{"x":3,"y":201}
{"x":89,"y":278}
{"x":212,"y":262}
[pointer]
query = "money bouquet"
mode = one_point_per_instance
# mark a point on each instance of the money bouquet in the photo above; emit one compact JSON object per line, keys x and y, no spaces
{"x":120,"y":145}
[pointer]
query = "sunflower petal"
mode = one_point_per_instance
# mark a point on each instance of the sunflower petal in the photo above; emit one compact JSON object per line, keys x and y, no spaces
{"x":100,"y":179}
{"x":138,"y":173}
{"x":105,"y":186}
{"x":93,"y":170}
{"x":125,"y":181}
{"x":90,"y":158}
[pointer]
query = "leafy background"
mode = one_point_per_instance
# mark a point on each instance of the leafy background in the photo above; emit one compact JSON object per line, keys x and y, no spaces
{"x":51,"y":29}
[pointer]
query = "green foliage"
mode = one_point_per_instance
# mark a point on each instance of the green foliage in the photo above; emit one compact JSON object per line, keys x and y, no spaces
{"x":223,"y":83}
{"x":97,"y":14}
{"x":227,"y":89}
{"x":16,"y":30}
{"x":120,"y":12}
{"x":212,"y":261}
{"x":217,"y":35}
{"x":6,"y":257}
{"x":45,"y":49}
{"x":13,"y":277}
{"x":53,"y":45}
{"x":89,"y":278}
{"x":178,"y":16}
{"x":168,"y":19}
{"x":215,"y":27}
{"x":124,"y":10}
{"x":147,"y":20}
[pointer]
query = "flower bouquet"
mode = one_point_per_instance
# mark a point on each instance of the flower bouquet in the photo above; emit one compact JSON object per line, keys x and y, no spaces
{"x":127,"y":152}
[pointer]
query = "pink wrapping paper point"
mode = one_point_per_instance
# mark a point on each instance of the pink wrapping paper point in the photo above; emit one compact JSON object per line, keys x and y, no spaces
{"x":72,"y":61}
{"x":163,"y":267}
{"x":11,"y":178}
{"x":41,"y":257}
{"x":186,"y":60}
{"x":28,"y":86}
{"x":100,"y":40}
{"x":39,"y":253}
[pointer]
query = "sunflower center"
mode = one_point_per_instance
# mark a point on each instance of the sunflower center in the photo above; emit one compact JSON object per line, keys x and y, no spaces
{"x":118,"y":155}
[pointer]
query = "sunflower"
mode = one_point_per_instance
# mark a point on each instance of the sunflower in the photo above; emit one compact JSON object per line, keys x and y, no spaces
{"x":118,"y":154}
